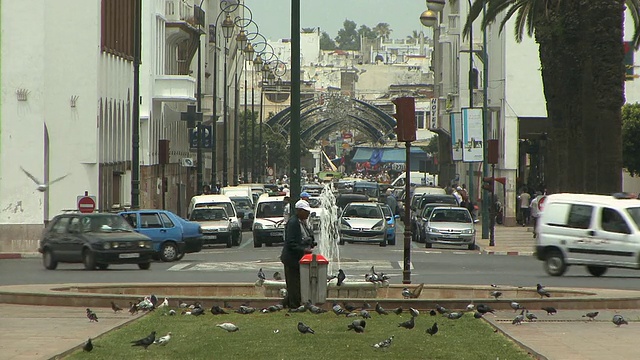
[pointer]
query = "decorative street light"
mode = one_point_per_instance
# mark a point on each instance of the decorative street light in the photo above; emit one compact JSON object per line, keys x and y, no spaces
{"x":257,"y":66}
{"x":248,"y":56}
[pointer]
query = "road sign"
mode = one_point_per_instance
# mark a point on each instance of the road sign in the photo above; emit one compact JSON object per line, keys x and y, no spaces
{"x":86,"y":204}
{"x":207,"y":142}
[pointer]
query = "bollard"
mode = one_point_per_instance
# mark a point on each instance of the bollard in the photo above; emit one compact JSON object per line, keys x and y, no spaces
{"x":313,"y":278}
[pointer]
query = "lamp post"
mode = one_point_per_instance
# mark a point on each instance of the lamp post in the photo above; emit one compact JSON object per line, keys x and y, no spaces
{"x":257,"y":66}
{"x":135,"y":133}
{"x":241,"y":44}
{"x":294,"y":127}
{"x":248,"y":56}
{"x":227,"y":30}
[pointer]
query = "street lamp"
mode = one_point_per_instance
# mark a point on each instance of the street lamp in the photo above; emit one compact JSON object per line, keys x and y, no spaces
{"x":248,"y":56}
{"x":257,"y":66}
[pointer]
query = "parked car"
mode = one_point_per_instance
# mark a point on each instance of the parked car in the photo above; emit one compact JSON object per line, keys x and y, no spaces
{"x":244,"y":204}
{"x":391,"y":223}
{"x":369,"y":188}
{"x":172,"y":236}
{"x":363,"y":222}
{"x":96,"y":240}
{"x":313,"y":189}
{"x":424,"y":207}
{"x":215,"y":224}
{"x":342,"y":200}
{"x":450,"y":225}
{"x":225,"y":202}
{"x":269,"y":223}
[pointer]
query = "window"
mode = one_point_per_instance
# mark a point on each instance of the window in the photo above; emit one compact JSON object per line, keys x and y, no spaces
{"x":612,"y":221}
{"x":117,"y":27}
{"x":150,"y":220}
{"x":60,"y":227}
{"x":580,"y":216}
{"x":167,"y":221}
{"x":420,"y":120}
{"x":131,"y":219}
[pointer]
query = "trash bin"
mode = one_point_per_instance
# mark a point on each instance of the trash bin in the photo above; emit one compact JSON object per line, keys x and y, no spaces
{"x":313,"y":278}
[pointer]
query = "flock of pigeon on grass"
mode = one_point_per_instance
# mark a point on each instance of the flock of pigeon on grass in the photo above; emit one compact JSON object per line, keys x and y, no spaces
{"x":348,"y":310}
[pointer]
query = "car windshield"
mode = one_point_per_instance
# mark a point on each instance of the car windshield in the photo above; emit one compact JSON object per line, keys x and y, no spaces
{"x":104,"y":223}
{"x":386,"y":210}
{"x":426,"y":212}
{"x":450,"y":215}
{"x":372,"y":192}
{"x":634,"y":213}
{"x":226,"y":205}
{"x":242,"y":202}
{"x":204,"y":214}
{"x":314,"y":203}
{"x":362,"y":211}
{"x":270,"y":209}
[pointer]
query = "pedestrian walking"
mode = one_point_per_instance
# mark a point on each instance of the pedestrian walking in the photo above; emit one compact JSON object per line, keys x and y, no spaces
{"x":525,"y":202}
{"x":535,"y":211}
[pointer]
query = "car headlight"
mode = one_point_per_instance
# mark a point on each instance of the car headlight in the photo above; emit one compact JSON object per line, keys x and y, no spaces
{"x":378,"y":226}
{"x":392,"y":225}
{"x":106,"y":246}
{"x":257,"y":226}
{"x":433,"y":230}
{"x":344,"y":225}
{"x":115,"y":245}
{"x":467,"y":231}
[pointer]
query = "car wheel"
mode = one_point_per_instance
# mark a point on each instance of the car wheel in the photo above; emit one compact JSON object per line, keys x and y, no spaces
{"x":48,"y":260}
{"x":383,"y":243}
{"x":103,"y":266}
{"x":169,"y":252}
{"x":471,"y":246}
{"x":392,"y":241}
{"x":88,"y":259}
{"x":554,"y":263}
{"x":257,"y":243}
{"x":428,"y":245}
{"x":144,"y":266}
{"x":237,"y":239}
{"x":597,"y":270}
{"x":180,"y":256}
{"x":229,"y":242}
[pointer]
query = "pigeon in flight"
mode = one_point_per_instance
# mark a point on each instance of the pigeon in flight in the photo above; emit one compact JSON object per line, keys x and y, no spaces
{"x":433,"y":329}
{"x":541,"y":291}
{"x":88,"y":346}
{"x":550,"y":310}
{"x":41,"y":186}
{"x":91,"y":316}
{"x":384,"y":343}
{"x":277,"y":276}
{"x":619,"y":320}
{"x":591,"y":315}
{"x":515,"y":306}
{"x":496,"y":294}
{"x":115,"y":307}
{"x":145,"y":342}
{"x":228,"y":326}
{"x":341,"y":277}
{"x":518,"y":319}
{"x":483,"y":309}
{"x":409,"y":324}
{"x":163,"y":340}
{"x":305,"y":329}
{"x":261,"y":275}
{"x":380,"y":310}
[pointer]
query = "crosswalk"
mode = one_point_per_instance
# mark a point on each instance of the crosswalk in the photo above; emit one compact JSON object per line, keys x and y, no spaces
{"x":348,"y":266}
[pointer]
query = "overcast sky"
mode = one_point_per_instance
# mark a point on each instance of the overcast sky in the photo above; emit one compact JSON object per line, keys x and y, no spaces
{"x":274,"y":16}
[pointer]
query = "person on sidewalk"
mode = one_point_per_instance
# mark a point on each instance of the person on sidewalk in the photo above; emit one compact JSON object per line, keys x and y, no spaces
{"x":525,"y":201}
{"x":535,"y":211}
{"x":298,"y":241}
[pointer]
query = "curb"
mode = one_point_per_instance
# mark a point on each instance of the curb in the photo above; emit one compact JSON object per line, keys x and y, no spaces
{"x":29,"y":255}
{"x":505,"y":252}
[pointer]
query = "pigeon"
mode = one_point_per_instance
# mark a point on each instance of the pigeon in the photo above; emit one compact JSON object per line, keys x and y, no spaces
{"x":477,"y":315}
{"x":41,"y":186}
{"x":351,"y":314}
{"x":541,"y":291}
{"x":348,"y":306}
{"x":318,"y":310}
{"x":341,"y":277}
{"x":496,"y":294}
{"x":414,"y":312}
{"x":494,"y":285}
{"x":406,"y":293}
{"x":88,"y":346}
{"x":337,"y":309}
{"x":591,"y":315}
{"x":299,"y":309}
{"x":217,"y":310}
{"x":165,"y":303}
{"x":619,"y":320}
{"x":115,"y":307}
{"x":531,"y":316}
{"x":227,"y":305}
{"x":182,"y":304}
{"x":357,"y":325}
{"x":172,"y":312}
{"x":366,"y":306}
{"x":305,"y":329}
{"x":145,"y":342}
{"x":133,"y":308}
{"x":471,"y":307}
{"x":433,"y":329}
{"x":397,"y":310}
{"x":228,"y":326}
{"x":454,"y":315}
{"x":163,"y":340}
{"x":380,"y":310}
{"x":515,"y":306}
{"x":245,"y":310}
{"x":197,"y":311}
{"x":331,"y":277}
{"x":91,"y":316}
{"x":518,"y":319}
{"x":432,"y":312}
{"x":365,"y":314}
{"x":384,"y":343}
{"x":154,"y":300}
{"x":441,"y":310}
{"x":261,"y":275}
{"x":550,"y":310}
{"x":409,"y":324}
{"x":277,"y":276}
{"x":483,"y":309}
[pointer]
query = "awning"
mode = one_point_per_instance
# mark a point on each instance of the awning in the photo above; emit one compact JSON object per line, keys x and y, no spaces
{"x":386,"y":155}
{"x":362,"y":155}
{"x":398,"y":155}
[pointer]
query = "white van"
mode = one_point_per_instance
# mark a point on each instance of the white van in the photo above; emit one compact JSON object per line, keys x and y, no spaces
{"x":417,"y":179}
{"x":269,"y":222}
{"x":242,"y":191}
{"x":225,"y":202}
{"x":596,"y":231}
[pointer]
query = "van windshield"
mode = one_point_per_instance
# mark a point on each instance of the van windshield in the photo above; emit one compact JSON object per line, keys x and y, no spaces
{"x":634,"y":213}
{"x":226,"y":205}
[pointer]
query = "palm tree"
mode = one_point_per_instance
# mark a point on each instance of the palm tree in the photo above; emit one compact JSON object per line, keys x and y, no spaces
{"x":382,"y":30}
{"x":581,"y":52}
{"x":415,"y":36}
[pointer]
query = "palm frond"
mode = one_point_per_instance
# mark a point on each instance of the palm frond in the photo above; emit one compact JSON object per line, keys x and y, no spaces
{"x":521,"y":20}
{"x":634,"y":8}
{"x":474,"y":11}
{"x":509,"y":14}
{"x":531,"y":14}
{"x":494,"y":9}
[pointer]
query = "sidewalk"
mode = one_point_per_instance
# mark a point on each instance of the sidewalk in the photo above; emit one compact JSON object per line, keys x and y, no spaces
{"x":508,"y":240}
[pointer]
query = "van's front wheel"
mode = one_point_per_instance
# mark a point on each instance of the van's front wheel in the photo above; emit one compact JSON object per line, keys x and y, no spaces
{"x":597,"y":271}
{"x":554,"y":263}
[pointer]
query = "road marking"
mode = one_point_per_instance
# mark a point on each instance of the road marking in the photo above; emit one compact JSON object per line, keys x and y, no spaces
{"x":178,"y":267}
{"x":347,"y":266}
{"x":401,"y":265}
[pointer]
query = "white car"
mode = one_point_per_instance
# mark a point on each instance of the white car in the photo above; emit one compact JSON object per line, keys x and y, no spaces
{"x":268,"y":221}
{"x":225,"y":202}
{"x":363,"y":222}
{"x":450,"y":225}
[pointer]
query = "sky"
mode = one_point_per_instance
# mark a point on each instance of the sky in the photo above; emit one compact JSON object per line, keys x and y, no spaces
{"x":274,"y":16}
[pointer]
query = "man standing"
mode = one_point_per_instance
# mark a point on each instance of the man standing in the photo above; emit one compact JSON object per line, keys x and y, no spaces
{"x":298,"y":241}
{"x":525,"y":202}
{"x":535,"y":211}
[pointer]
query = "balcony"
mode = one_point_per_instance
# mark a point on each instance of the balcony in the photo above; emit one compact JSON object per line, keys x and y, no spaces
{"x":174,"y":88}
{"x":178,"y":10}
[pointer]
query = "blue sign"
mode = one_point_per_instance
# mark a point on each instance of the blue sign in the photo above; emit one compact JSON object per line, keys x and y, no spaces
{"x":207,"y":142}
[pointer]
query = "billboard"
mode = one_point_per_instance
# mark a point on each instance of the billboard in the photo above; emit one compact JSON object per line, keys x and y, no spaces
{"x":456,"y":136}
{"x":472,"y":135}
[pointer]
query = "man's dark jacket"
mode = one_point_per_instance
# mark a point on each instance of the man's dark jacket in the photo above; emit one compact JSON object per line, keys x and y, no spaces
{"x":293,"y":249}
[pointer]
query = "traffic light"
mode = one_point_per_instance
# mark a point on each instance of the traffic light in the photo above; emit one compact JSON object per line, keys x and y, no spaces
{"x":405,"y":118}
{"x":487,"y":184}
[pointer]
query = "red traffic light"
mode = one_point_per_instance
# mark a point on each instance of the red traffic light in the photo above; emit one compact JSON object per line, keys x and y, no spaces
{"x":487,"y":183}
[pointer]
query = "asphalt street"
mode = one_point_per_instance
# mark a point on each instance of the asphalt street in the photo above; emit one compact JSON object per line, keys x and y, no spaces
{"x":444,"y":265}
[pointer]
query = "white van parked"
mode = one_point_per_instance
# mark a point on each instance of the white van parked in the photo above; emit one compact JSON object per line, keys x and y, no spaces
{"x":596,"y":231}
{"x":417,"y":179}
{"x":225,"y":202}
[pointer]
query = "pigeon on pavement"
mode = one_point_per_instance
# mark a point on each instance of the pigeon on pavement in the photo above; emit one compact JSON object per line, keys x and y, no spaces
{"x":591,"y":315}
{"x":409,"y":324}
{"x":541,"y":291}
{"x":261,"y":275}
{"x":115,"y":307}
{"x":163,"y":340}
{"x":515,"y":306}
{"x":531,"y":316}
{"x":619,"y":320}
{"x":518,"y":319}
{"x":380,"y":310}
{"x":145,"y":342}
{"x":91,"y":316}
{"x":496,"y":294}
{"x":384,"y":343}
{"x":88,"y":346}
{"x":304,"y":328}
{"x":550,"y":310}
{"x":433,"y":329}
{"x":483,"y":309}
{"x":228,"y":326}
{"x":341,"y":277}
{"x":133,"y":308}
{"x":277,"y":276}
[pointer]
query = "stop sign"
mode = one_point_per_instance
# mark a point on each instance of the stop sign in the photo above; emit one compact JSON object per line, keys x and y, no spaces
{"x":86,"y":204}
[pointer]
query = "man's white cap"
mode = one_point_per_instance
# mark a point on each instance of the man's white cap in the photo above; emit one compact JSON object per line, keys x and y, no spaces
{"x":303,"y":204}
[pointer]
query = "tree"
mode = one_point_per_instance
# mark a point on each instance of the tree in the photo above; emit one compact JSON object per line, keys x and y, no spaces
{"x":581,"y":53}
{"x":631,"y":138}
{"x":366,"y":32}
{"x":274,"y":145}
{"x":432,"y":148}
{"x":382,"y":30}
{"x":415,"y":36}
{"x":326,"y":43}
{"x":348,"y":38}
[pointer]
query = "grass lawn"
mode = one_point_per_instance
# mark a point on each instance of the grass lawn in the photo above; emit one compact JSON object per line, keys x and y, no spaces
{"x":199,"y":338}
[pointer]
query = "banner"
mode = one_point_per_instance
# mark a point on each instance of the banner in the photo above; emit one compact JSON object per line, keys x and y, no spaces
{"x":472,"y":135}
{"x":456,"y":136}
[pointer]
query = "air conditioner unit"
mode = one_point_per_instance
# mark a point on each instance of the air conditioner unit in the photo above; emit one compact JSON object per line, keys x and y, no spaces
{"x":187,"y":162}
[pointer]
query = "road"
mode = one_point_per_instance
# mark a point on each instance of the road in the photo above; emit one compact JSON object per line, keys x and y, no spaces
{"x":240,"y":264}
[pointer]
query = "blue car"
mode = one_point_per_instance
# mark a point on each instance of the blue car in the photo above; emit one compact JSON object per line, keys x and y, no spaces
{"x":172,"y":236}
{"x":391,"y":223}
